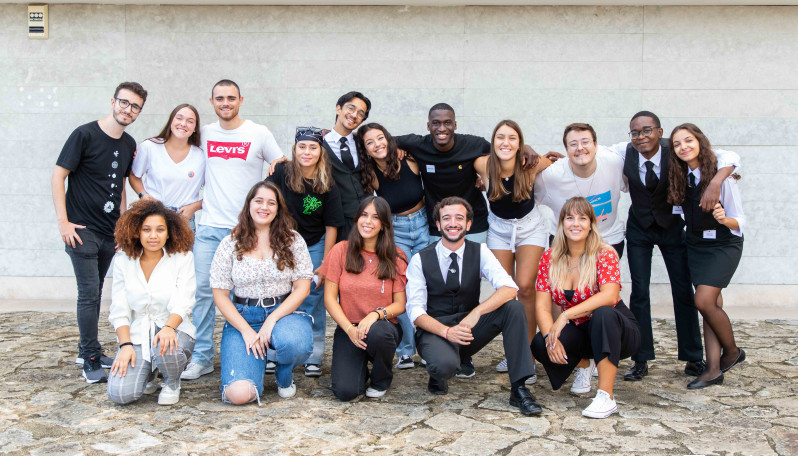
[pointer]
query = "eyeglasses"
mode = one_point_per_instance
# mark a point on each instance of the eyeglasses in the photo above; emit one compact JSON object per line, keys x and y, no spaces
{"x":575,"y":144}
{"x":352,"y":109}
{"x":646,"y":131}
{"x":124,"y":104}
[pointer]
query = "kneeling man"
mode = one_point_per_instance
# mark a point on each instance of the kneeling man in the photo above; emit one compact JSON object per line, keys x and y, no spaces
{"x":443,"y":303}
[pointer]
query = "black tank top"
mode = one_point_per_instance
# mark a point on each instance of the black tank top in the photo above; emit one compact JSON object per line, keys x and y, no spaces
{"x":505,"y":207}
{"x":402,"y":194}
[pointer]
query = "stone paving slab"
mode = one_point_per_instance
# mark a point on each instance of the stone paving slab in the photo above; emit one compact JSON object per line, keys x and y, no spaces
{"x":47,"y":409}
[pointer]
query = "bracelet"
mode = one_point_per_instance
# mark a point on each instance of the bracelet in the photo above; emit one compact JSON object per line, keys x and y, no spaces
{"x":350,"y":327}
{"x":379,"y":315}
{"x":565,"y":312}
{"x":125,"y":343}
{"x":167,"y":326}
{"x":446,"y":335}
{"x":544,"y":337}
{"x":141,"y":195}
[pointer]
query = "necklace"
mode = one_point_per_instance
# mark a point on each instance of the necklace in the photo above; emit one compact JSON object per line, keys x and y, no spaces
{"x":575,"y":264}
{"x":576,"y":184}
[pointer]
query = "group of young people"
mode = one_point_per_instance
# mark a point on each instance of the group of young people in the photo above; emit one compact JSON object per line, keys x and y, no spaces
{"x":390,"y":236}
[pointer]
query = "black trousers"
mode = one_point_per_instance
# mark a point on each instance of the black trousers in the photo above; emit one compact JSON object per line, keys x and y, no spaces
{"x":612,"y":333}
{"x":350,"y":363}
{"x":509,"y":320}
{"x":671,"y":243}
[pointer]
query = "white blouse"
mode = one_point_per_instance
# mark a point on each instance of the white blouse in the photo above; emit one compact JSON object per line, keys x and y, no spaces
{"x":730,"y":198}
{"x":144,"y":305}
{"x":174,"y":184}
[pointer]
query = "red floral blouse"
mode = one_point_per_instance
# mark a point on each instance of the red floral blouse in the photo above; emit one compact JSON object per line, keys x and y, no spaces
{"x":608,"y":272}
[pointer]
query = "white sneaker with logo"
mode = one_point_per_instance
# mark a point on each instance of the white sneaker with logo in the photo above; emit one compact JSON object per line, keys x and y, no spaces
{"x":582,"y":376}
{"x":502,"y":366}
{"x":601,"y":407}
{"x":194,"y":371}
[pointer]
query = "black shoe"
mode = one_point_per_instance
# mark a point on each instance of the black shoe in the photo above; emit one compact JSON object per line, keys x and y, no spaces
{"x":438,"y":387}
{"x":695,"y":368}
{"x":522,"y":398}
{"x":466,"y":369}
{"x":93,"y":371}
{"x":698,"y":384}
{"x":740,"y":358}
{"x":636,"y":372}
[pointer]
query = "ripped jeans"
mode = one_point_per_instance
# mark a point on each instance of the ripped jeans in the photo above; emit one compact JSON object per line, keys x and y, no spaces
{"x":291,"y":340}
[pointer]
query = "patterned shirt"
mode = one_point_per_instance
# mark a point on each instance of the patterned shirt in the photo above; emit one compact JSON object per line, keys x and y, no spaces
{"x":254,"y":278}
{"x":607,"y":269}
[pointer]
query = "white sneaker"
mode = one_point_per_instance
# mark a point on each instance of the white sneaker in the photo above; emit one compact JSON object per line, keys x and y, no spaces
{"x":194,"y":371}
{"x":423,"y":362}
{"x":152,"y":386}
{"x":502,"y":366}
{"x":595,"y":369}
{"x":582,"y":379}
{"x":287,"y":392}
{"x":601,"y":407}
{"x":168,"y":395}
{"x":531,"y":380}
{"x":371,"y":392}
{"x":405,"y":362}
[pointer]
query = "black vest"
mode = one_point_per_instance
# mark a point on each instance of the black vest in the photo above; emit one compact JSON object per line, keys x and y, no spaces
{"x":442,"y":302}
{"x":697,"y":220}
{"x":348,"y":182}
{"x":648,"y":207}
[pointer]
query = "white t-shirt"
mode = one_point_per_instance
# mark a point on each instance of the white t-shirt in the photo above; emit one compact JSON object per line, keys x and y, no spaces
{"x":174,"y":184}
{"x":234,"y":163}
{"x":557,"y":184}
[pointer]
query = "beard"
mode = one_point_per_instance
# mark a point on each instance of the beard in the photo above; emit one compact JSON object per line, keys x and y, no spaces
{"x":453,"y":239}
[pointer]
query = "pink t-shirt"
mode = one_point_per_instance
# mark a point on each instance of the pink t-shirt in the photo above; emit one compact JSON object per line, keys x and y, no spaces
{"x":361,"y":293}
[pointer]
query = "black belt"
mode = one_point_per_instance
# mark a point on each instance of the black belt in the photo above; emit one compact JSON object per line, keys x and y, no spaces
{"x":260,"y":302}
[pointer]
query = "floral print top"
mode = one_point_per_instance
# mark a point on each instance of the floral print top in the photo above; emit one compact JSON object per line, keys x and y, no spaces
{"x":608,"y":271}
{"x":254,"y":278}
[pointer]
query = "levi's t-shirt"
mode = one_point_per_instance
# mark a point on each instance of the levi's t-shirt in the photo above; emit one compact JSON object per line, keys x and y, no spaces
{"x":98,"y":165}
{"x":234,"y":162}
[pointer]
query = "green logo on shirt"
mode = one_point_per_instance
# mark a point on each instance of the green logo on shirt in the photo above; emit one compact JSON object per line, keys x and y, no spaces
{"x":311,"y":204}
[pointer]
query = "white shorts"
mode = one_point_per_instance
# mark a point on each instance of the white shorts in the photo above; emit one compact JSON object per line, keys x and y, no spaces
{"x":508,"y":234}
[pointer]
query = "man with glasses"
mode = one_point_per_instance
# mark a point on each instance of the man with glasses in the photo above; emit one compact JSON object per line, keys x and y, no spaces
{"x":351,"y":110}
{"x":653,"y":221}
{"x":96,"y":159}
{"x":236,"y":152}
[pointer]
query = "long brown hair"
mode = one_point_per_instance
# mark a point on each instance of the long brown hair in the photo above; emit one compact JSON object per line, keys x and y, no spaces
{"x":387,"y":255}
{"x":281,"y":230}
{"x":677,"y":174}
{"x":523,"y":179}
{"x":369,"y":165}
{"x":166,"y":131}
{"x":594,"y":245}
{"x":322,"y":174}
{"x":128,"y":229}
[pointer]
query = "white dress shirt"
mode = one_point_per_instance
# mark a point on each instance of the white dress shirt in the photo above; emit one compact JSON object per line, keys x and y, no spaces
{"x":489,"y":268}
{"x":725,"y":158}
{"x":333,"y":138}
{"x":730,"y":198}
{"x":144,"y":305}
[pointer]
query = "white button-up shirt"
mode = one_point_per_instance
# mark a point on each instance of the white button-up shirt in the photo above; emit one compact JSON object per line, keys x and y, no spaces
{"x":144,"y":305}
{"x":489,"y":268}
{"x":333,"y":138}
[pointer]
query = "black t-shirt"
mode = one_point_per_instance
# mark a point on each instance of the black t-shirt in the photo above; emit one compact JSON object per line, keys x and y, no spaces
{"x":449,"y":173}
{"x":97,"y":163}
{"x":312,"y":211}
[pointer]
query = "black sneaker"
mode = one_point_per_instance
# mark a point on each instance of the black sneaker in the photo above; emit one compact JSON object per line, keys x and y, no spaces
{"x":93,"y":371}
{"x":466,"y":369}
{"x":104,"y":360}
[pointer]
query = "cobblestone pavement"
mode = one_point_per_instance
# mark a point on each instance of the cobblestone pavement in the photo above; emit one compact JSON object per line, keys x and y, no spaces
{"x":47,"y":409}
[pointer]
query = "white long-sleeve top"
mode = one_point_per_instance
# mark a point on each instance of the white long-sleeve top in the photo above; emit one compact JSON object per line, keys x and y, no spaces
{"x":143,"y":305}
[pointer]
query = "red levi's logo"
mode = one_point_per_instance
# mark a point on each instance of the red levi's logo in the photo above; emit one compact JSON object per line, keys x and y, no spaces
{"x":228,"y":150}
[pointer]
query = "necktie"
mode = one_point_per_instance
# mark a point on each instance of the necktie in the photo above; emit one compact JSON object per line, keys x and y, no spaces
{"x":453,"y":277}
{"x":651,"y":177}
{"x":346,"y":156}
{"x":691,"y":178}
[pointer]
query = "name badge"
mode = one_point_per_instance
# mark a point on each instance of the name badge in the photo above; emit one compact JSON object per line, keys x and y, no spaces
{"x":710,"y":234}
{"x":430,"y":168}
{"x":678,"y":210}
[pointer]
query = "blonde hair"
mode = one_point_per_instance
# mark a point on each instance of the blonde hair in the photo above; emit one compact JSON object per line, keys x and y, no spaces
{"x":322,"y":174}
{"x":594,"y":245}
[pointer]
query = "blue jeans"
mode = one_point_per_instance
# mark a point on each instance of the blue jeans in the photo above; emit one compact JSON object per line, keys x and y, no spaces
{"x":90,"y":262}
{"x":411,"y":234}
{"x":291,"y":340}
{"x":313,"y":305}
{"x":206,"y":241}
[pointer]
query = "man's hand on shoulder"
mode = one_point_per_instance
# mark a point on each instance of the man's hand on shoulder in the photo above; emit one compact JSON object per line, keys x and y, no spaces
{"x":273,"y":165}
{"x":530,"y":159}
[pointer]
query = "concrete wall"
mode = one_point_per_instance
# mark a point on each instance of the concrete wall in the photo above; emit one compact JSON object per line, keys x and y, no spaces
{"x":731,"y":70}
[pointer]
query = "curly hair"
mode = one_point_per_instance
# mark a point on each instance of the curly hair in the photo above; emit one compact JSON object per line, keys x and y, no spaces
{"x":128,"y":228}
{"x":677,"y":174}
{"x":387,"y":255}
{"x":281,"y":230}
{"x":369,"y":165}
{"x":523,"y":179}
